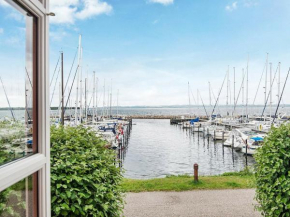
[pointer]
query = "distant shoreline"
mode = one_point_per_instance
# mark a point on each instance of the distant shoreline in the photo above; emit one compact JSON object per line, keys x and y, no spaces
{"x":154,"y":107}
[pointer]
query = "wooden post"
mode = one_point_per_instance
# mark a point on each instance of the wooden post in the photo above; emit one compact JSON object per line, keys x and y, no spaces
{"x":120,"y":145}
{"x":223,"y":137}
{"x":233,"y":141}
{"x":207,"y":136}
{"x":195,"y":166}
{"x":214,"y":135}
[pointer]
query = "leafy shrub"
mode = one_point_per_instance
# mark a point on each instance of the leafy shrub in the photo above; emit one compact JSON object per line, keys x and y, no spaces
{"x":273,"y":173}
{"x":84,"y":179}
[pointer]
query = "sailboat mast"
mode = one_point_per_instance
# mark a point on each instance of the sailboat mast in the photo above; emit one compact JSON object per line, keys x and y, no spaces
{"x":234,"y":86}
{"x":209,"y":93}
{"x":108,"y":101}
{"x":62,"y":91}
{"x":111,"y":97}
{"x":97,"y":84}
{"x":59,"y":107}
{"x":86,"y":108}
{"x":202,"y":104}
{"x":104,"y":98}
{"x":81,"y":86}
{"x":94,"y":92}
{"x":270,"y":90}
{"x":227,"y":88}
{"x":78,"y":80}
{"x":70,"y":110}
{"x":216,"y":102}
{"x":188,"y":98}
{"x":243,"y":95}
{"x":247,"y":89}
{"x":266,"y":75}
{"x":7,"y":100}
{"x":280,"y":98}
{"x":279,"y":74}
{"x":118,"y":104}
{"x":197,"y":102}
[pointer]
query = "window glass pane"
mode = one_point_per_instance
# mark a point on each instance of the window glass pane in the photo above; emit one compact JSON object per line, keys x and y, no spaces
{"x":18,"y":200}
{"x":16,"y":82}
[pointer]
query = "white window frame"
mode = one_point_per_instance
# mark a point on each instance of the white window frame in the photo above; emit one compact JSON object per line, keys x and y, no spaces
{"x":15,"y":171}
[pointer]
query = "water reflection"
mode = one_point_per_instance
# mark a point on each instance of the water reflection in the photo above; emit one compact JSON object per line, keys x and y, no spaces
{"x":157,"y":149}
{"x":16,"y":84}
{"x":19,"y":199}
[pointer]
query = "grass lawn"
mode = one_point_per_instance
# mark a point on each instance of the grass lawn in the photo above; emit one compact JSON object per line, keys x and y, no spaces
{"x":236,"y":180}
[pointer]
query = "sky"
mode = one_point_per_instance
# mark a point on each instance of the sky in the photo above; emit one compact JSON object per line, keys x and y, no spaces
{"x":150,"y":49}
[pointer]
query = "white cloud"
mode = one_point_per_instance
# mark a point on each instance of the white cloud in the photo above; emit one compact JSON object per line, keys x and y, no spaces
{"x":164,"y":2}
{"x":232,"y":6}
{"x":68,"y":11}
{"x":1,"y":30}
{"x":93,"y":8}
{"x":3,"y":3}
{"x":250,"y":3}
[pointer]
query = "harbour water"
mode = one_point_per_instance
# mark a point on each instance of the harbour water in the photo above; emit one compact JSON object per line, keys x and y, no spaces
{"x":175,"y":111}
{"x":157,"y":149}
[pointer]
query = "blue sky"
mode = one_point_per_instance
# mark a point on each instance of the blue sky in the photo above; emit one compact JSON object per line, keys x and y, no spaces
{"x":151,"y":49}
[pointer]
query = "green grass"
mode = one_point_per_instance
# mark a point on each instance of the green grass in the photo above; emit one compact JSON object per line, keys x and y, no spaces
{"x":236,"y":180}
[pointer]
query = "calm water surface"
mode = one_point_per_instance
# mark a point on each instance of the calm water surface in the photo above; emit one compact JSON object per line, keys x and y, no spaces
{"x":157,"y":149}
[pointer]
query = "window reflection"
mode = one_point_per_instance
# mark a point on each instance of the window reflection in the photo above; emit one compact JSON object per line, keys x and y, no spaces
{"x":18,"y":200}
{"x":16,"y":83}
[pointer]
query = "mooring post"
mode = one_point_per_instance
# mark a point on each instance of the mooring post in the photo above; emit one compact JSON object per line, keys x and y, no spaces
{"x":214,"y":135}
{"x":233,"y":141}
{"x":119,"y":157}
{"x":195,"y":167}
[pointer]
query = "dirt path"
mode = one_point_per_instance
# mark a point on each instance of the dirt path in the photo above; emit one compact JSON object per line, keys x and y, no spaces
{"x":218,"y":203}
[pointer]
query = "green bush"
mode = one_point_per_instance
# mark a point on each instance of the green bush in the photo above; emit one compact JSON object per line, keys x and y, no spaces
{"x":273,"y":173}
{"x":84,"y":179}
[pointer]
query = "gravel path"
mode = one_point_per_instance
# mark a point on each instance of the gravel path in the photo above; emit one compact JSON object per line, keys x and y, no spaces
{"x":217,"y":203}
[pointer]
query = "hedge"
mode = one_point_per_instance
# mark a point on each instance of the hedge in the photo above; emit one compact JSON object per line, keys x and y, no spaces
{"x":273,"y":173}
{"x":84,"y":179}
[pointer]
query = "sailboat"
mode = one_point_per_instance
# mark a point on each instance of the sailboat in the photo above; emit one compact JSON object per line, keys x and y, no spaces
{"x":253,"y":144}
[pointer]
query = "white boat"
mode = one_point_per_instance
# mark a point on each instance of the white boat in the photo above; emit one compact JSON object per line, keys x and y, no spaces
{"x":198,"y":127}
{"x":253,"y":144}
{"x":187,"y":125}
{"x":210,"y":129}
{"x":221,"y":134}
{"x":238,"y":138}
{"x":234,"y":139}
